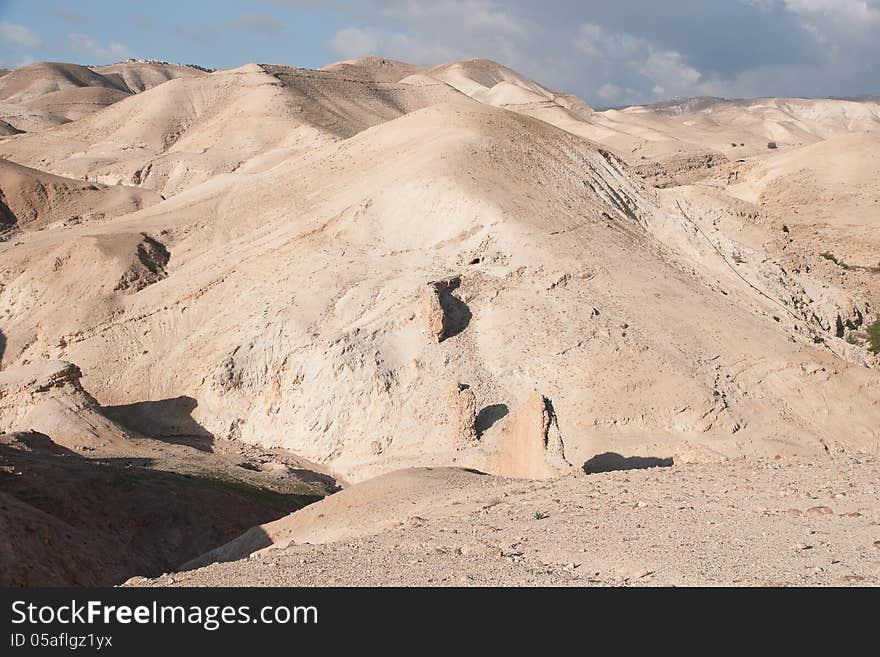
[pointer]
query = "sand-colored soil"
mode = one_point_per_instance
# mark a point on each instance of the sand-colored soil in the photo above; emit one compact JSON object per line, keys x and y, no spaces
{"x":376,"y":267}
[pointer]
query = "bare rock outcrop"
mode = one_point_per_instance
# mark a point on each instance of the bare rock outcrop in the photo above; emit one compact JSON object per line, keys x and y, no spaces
{"x":37,"y":378}
{"x":48,"y":397}
{"x":148,"y":268}
{"x":687,"y":453}
{"x":443,"y":314}
{"x":464,"y":409}
{"x":531,"y":443}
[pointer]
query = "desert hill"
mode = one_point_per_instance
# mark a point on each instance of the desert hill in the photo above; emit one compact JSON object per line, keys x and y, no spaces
{"x":548,"y":285}
{"x":138,"y":76}
{"x":733,"y":128}
{"x":188,"y":130}
{"x":378,"y":267}
{"x":375,"y":69}
{"x":35,"y":80}
{"x":45,"y":94}
{"x":35,"y":199}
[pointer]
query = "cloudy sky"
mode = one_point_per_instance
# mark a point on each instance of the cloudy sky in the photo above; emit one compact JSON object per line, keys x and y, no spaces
{"x":609,"y":52}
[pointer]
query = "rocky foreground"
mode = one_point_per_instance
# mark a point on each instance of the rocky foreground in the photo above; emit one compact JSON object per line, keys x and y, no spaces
{"x":761,"y":522}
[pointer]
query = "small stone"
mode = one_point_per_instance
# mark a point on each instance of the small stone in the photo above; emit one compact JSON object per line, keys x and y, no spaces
{"x":820,"y":511}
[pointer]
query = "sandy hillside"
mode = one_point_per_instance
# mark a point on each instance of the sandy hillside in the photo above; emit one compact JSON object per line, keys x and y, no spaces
{"x":35,"y":199}
{"x":137,"y":76}
{"x":183,"y":133}
{"x":378,"y":267}
{"x":45,"y":94}
{"x":375,"y":69}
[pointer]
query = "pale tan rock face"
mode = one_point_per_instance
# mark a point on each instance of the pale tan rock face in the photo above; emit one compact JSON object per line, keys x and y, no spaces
{"x":531,"y":444}
{"x":432,"y":312}
{"x":687,"y":453}
{"x":443,"y":314}
{"x":464,"y":410}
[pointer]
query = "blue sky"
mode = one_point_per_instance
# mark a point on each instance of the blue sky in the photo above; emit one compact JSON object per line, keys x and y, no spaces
{"x":609,"y":52}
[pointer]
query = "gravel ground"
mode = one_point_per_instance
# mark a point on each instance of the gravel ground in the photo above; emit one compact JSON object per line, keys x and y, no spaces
{"x":794,"y":522}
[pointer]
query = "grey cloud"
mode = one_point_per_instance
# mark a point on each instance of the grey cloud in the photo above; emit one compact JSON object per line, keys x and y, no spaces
{"x":257,"y":23}
{"x":641,"y":50}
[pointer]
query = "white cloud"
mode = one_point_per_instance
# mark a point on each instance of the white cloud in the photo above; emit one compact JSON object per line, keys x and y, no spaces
{"x":113,"y":51}
{"x":19,"y":35}
{"x":623,"y":55}
{"x":830,"y":22}
{"x":610,"y":91}
{"x":745,"y":47}
{"x":858,"y":11}
{"x":667,"y":67}
{"x":354,"y":42}
{"x":468,"y":15}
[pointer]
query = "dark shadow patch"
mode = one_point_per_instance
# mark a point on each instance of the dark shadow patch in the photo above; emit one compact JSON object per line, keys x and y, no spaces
{"x":35,"y":441}
{"x":456,"y":314}
{"x":2,"y":348}
{"x":75,"y":521}
{"x":7,"y":216}
{"x":240,"y":547}
{"x":327,"y":482}
{"x":167,"y":420}
{"x":488,"y":416}
{"x":612,"y":462}
{"x":129,"y":462}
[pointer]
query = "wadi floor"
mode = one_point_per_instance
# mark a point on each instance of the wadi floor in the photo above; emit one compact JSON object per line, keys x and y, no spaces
{"x":767,"y":522}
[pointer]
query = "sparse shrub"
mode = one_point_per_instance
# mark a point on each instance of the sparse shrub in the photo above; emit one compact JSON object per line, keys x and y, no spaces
{"x":837,"y":261}
{"x":539,"y":515}
{"x":772,"y":146}
{"x":874,"y":336}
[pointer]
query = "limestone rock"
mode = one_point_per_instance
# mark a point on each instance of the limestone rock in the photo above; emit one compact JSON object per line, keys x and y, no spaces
{"x":39,"y":377}
{"x":531,"y":443}
{"x":443,"y":314}
{"x":464,"y":408}
{"x":48,"y":397}
{"x":686,"y":453}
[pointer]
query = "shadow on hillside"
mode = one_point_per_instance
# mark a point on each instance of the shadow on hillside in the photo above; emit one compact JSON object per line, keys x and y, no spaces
{"x":97,"y":522}
{"x":2,"y":348}
{"x":167,"y":420}
{"x":456,"y":314}
{"x":328,"y":483}
{"x":612,"y":462}
{"x":240,"y":547}
{"x":488,"y":416}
